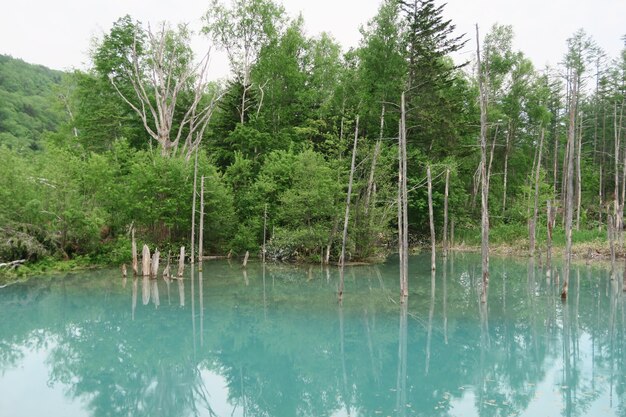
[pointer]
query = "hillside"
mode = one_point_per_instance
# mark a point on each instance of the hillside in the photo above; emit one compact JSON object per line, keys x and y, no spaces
{"x":28,"y":103}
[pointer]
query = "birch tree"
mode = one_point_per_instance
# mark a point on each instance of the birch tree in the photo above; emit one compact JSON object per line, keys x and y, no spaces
{"x":242,"y":31}
{"x":170,"y":90}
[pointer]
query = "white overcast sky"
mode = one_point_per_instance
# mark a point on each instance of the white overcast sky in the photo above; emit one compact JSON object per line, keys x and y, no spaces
{"x":58,"y":34}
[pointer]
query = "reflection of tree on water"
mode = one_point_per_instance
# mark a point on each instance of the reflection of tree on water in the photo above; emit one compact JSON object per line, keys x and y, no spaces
{"x":290,"y":359}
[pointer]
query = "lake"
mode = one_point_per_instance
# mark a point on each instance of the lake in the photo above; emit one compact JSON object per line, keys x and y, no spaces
{"x":273,"y":341}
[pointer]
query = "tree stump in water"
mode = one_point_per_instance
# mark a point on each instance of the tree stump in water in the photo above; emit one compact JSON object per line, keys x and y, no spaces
{"x":145,"y":261}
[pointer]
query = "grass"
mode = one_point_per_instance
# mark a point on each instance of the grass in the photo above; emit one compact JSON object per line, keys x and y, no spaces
{"x":513,"y":238}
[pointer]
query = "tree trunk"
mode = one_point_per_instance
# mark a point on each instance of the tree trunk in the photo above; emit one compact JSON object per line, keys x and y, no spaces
{"x":370,"y":182}
{"x":330,"y":240}
{"x":533,"y":229}
{"x":264,"y":231}
{"x":134,"y":250}
{"x":611,"y":231}
{"x":124,"y":271}
{"x":579,"y":173}
{"x":550,"y":217}
{"x":154,"y":267}
{"x":569,"y":212}
{"x":342,"y":258}
{"x":145,"y":261}
{"x":193,"y":210}
{"x":181,"y":263}
{"x":431,"y":218}
{"x":201,"y":230}
{"x":484,"y":182}
{"x":619,"y":221}
{"x":617,"y":148}
{"x":403,"y":240}
{"x":166,"y":271}
{"x":506,"y":167}
{"x":445,"y":214}
{"x":245,"y":259}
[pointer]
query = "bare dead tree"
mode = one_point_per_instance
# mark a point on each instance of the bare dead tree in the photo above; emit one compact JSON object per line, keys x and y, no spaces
{"x":484,"y":180}
{"x":201,"y":226}
{"x":159,"y":77}
{"x":342,"y":259}
{"x":445,"y":214}
{"x":431,"y":218}
{"x":533,"y":225}
{"x":403,"y":240}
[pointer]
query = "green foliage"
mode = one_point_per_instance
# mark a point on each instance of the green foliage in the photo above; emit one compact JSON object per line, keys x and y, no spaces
{"x":26,"y":94}
{"x":276,"y":155}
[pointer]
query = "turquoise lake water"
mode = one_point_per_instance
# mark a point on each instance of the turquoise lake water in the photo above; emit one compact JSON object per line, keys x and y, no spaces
{"x":273,"y":341}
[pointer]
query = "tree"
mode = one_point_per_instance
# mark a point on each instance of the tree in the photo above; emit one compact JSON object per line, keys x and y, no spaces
{"x":169,"y":91}
{"x":576,"y":60}
{"x":242,"y":31}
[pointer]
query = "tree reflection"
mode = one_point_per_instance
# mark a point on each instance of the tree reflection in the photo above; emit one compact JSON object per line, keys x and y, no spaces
{"x":289,"y":350}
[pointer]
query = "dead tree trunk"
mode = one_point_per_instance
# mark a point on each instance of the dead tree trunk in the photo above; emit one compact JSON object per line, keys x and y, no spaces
{"x":193,"y":209}
{"x":124,"y":271}
{"x":166,"y":271}
{"x":181,"y":263}
{"x":579,"y":173}
{"x":533,"y":227}
{"x":617,"y":148}
{"x":506,"y":166}
{"x":245,"y":259}
{"x":342,"y":258}
{"x":484,"y":181}
{"x":569,"y":206}
{"x":431,"y":218}
{"x":145,"y":261}
{"x":264,"y":232}
{"x":550,"y":221}
{"x":134,"y":250}
{"x":201,"y":229}
{"x":612,"y":232}
{"x":620,"y":220}
{"x":403,"y":239}
{"x":445,"y":214}
{"x":154,"y":267}
{"x":330,"y":240}
{"x":370,"y":182}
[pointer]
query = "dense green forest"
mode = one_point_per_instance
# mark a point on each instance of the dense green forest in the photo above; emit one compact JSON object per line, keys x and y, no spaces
{"x":88,"y":154}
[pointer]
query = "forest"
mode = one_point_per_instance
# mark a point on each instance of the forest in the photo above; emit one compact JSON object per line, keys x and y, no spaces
{"x":300,"y":128}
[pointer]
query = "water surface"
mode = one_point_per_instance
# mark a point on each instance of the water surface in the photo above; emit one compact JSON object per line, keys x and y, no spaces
{"x":274,"y":342}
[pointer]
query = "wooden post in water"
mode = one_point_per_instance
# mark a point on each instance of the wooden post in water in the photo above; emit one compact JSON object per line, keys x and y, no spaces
{"x":134,"y":250}
{"x":245,"y":259}
{"x":181,"y":263}
{"x":431,"y":218}
{"x":124,"y":272}
{"x":145,"y":261}
{"x":342,"y":259}
{"x":154,"y":268}
{"x":201,"y":231}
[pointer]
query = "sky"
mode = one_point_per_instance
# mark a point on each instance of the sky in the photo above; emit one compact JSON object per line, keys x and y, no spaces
{"x":59,"y":34}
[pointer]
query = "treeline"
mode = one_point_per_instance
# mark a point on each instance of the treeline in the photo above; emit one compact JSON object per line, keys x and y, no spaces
{"x":275,"y":140}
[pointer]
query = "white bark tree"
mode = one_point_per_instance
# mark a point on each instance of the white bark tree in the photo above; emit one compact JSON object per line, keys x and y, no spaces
{"x":167,"y":83}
